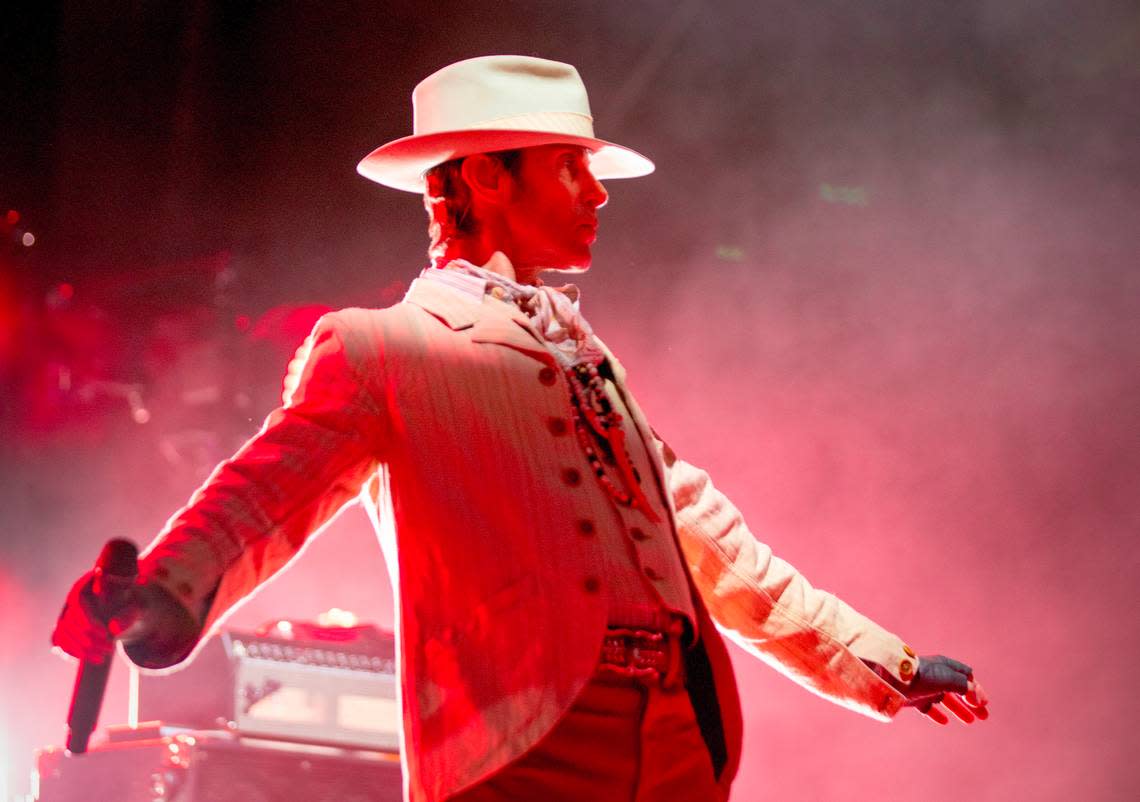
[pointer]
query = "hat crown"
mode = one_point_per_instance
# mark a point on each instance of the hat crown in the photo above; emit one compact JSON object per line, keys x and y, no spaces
{"x":491,"y":91}
{"x":494,"y":103}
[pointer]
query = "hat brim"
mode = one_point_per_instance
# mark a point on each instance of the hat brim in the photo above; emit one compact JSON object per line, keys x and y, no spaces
{"x":401,"y":164}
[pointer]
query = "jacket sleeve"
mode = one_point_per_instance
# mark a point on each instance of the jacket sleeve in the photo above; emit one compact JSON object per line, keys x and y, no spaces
{"x":765,"y":606}
{"x":257,"y":509}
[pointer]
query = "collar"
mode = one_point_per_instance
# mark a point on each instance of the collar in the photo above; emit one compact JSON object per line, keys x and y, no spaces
{"x":465,"y":283}
{"x":476,"y":287}
{"x":455,"y":297}
{"x":461,"y":301}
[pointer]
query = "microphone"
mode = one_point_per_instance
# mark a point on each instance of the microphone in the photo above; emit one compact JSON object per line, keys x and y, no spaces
{"x":112,"y":591}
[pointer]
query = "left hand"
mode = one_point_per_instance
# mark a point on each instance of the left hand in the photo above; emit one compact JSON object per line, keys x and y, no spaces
{"x":945,"y":682}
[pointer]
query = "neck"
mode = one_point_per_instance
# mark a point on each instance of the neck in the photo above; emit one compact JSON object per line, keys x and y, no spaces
{"x":482,"y":252}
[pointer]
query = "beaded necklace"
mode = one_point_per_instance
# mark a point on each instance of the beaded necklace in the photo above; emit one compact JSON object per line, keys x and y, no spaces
{"x":597,"y":424}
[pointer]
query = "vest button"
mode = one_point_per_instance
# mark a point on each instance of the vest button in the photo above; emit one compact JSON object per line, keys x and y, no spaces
{"x":591,"y":584}
{"x":586,"y":528}
{"x":557,"y":426}
{"x":572,"y":476}
{"x":547,"y":376}
{"x":638,"y":534}
{"x":651,"y":573}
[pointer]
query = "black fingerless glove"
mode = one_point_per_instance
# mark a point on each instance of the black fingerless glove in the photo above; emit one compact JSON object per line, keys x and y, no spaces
{"x":936,"y":676}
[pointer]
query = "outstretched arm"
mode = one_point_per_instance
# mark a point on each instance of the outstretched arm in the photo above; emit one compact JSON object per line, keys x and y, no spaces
{"x":258,"y":508}
{"x":766,"y":606}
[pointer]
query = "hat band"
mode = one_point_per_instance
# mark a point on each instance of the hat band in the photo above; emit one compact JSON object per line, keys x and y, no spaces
{"x":570,"y":123}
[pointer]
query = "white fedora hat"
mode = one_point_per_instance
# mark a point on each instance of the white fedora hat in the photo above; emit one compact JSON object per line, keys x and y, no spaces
{"x":496,"y":103}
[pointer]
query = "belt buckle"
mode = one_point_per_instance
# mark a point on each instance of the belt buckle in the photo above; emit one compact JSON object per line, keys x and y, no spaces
{"x":646,"y":650}
{"x":638,"y":654}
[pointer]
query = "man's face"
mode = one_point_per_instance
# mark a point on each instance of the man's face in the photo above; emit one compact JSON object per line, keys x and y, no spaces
{"x":552,"y":215}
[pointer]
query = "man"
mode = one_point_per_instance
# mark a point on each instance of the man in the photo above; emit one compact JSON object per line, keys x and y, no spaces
{"x":557,"y":568}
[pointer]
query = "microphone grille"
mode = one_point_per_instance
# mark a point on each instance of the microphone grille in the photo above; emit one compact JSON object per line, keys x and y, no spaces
{"x":119,"y":558}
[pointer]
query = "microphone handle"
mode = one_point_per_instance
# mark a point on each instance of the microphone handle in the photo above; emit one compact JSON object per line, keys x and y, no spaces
{"x":86,"y":702}
{"x":115,"y":573}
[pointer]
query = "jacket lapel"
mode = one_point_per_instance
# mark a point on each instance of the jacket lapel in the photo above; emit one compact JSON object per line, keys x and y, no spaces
{"x":505,"y":324}
{"x":455,"y":308}
{"x":490,"y":320}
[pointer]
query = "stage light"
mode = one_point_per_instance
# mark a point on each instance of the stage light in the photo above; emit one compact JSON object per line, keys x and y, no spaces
{"x":29,"y":239}
{"x":12,"y":217}
{"x":139,"y":413}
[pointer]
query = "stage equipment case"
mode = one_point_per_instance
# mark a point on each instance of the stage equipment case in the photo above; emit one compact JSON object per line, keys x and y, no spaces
{"x":215,"y":767}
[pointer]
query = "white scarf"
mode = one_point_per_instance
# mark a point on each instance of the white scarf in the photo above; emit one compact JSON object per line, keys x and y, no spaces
{"x":554,"y":313}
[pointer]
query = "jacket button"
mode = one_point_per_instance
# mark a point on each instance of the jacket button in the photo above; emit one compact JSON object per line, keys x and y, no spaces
{"x":651,"y":572}
{"x":591,"y":584}
{"x":906,"y":669}
{"x":557,"y":426}
{"x":572,"y":476}
{"x":909,"y":652}
{"x":638,"y":534}
{"x":547,"y":376}
{"x":586,"y":528}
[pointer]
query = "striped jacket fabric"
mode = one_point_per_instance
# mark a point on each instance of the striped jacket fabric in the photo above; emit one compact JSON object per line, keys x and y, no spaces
{"x":435,"y":414}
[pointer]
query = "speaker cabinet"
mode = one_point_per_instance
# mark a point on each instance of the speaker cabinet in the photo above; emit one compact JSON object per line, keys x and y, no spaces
{"x":214,"y":767}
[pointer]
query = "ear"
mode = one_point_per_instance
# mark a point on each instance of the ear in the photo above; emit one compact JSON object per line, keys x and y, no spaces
{"x":486,"y":177}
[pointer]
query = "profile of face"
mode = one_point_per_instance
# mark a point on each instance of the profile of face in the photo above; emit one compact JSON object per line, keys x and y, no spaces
{"x":551,"y":214}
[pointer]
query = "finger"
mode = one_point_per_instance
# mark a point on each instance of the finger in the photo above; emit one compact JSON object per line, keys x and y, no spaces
{"x":59,"y":651}
{"x":976,"y":695}
{"x":958,"y":666}
{"x":85,"y":644}
{"x":935,"y":674}
{"x":956,"y":706}
{"x":70,"y":652}
{"x":977,"y":701}
{"x":936,"y":715}
{"x":923,"y":703}
{"x":85,"y":640}
{"x":69,"y":642}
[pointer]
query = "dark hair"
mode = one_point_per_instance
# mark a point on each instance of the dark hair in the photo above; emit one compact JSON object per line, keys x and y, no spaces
{"x":447,"y":200}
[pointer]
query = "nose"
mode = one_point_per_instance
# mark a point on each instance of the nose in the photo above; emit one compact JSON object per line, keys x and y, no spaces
{"x":595,"y":195}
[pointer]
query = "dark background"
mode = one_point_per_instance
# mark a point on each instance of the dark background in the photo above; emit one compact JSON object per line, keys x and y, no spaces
{"x":883,"y":285}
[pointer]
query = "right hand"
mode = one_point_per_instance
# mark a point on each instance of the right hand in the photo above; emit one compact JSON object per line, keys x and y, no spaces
{"x":951,"y":683}
{"x":81,"y":630}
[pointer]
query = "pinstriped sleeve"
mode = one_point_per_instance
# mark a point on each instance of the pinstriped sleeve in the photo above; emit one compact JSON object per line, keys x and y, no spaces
{"x":258,"y":508}
{"x":767,"y":607}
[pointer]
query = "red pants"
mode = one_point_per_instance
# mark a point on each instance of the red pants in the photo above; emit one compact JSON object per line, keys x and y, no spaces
{"x":621,"y":741}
